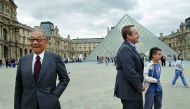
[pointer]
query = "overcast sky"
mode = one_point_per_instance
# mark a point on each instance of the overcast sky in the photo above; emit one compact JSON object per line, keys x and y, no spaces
{"x":90,"y":18}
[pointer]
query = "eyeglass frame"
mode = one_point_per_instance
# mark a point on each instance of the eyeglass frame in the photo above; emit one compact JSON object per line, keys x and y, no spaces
{"x":36,"y":39}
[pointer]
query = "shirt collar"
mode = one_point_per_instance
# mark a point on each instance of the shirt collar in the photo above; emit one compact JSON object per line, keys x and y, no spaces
{"x":152,"y":63}
{"x":131,"y":43}
{"x":41,"y":55}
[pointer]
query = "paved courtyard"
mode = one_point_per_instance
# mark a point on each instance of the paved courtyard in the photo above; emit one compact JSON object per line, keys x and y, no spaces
{"x":91,"y":87}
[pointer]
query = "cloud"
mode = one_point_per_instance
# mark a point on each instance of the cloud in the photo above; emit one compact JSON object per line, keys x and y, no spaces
{"x":84,"y":18}
{"x":162,"y":15}
{"x":79,"y":18}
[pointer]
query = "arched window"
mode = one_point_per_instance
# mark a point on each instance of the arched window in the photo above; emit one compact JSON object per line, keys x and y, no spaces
{"x":5,"y":34}
{"x":25,"y":51}
{"x":1,"y":7}
{"x":6,"y":52}
{"x":21,"y":52}
{"x":12,"y":13}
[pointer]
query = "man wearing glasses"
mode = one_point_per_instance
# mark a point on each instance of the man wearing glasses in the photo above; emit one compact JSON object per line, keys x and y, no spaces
{"x":35,"y":86}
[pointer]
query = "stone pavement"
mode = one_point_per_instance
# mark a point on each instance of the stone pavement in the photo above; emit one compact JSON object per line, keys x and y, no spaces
{"x":92,"y":85}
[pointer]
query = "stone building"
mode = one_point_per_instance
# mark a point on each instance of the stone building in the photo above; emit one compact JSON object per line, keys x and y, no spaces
{"x":84,"y":46}
{"x":58,"y":44}
{"x":13,"y":35}
{"x":179,"y":40}
{"x":66,"y":47}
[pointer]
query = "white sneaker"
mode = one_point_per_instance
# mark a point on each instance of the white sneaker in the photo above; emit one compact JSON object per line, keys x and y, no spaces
{"x":174,"y":85}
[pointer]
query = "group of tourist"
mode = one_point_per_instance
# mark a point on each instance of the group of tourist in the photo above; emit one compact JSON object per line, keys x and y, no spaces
{"x":8,"y":63}
{"x":71,"y":60}
{"x":106,"y":60}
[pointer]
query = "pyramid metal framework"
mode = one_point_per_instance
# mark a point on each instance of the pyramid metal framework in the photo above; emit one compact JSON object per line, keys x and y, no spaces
{"x":111,"y":43}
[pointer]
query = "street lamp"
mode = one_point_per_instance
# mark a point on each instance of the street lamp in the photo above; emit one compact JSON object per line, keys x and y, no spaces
{"x":77,"y":47}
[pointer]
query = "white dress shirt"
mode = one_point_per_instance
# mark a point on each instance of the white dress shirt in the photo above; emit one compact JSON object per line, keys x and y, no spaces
{"x":133,"y":45}
{"x":34,"y":59}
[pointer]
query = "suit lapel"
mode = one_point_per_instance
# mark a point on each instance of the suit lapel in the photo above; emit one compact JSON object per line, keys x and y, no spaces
{"x":44,"y":66}
{"x":133,"y":48}
{"x":31,"y":75}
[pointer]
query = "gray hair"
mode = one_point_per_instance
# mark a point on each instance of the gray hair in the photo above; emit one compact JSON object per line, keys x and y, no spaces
{"x":37,"y":28}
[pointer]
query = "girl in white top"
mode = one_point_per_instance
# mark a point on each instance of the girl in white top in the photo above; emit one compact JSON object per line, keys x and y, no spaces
{"x":179,"y":66}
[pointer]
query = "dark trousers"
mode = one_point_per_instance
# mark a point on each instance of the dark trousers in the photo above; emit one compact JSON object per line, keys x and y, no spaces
{"x":153,"y":98}
{"x":132,"y":104}
{"x":163,"y":63}
{"x":38,"y":107}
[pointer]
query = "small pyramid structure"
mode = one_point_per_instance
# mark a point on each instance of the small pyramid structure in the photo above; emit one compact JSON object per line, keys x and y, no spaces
{"x":113,"y":40}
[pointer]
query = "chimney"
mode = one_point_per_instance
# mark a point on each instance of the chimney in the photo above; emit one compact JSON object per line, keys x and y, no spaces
{"x":178,"y":30}
{"x":108,"y":30}
{"x":184,"y":29}
{"x":161,"y":34}
{"x":68,"y":36}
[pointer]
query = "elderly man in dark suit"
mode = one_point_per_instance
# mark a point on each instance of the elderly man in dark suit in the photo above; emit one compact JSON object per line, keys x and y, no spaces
{"x":129,"y":79}
{"x":35,"y":86}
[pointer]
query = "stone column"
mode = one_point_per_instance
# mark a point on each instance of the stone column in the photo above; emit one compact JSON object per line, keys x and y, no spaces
{"x":17,"y":51}
{"x":13,"y":53}
{"x":10,"y":34}
{"x":1,"y":57}
{"x":14,"y":35}
{"x":2,"y":51}
{"x":10,"y":51}
{"x":1,"y":32}
{"x":28,"y":50}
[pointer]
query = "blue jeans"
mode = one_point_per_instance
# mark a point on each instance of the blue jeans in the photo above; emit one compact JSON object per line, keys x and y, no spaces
{"x":177,"y":74}
{"x":153,"y":98}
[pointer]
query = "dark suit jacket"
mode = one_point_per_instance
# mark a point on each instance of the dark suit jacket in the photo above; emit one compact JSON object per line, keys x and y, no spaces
{"x":129,"y":77}
{"x":44,"y":91}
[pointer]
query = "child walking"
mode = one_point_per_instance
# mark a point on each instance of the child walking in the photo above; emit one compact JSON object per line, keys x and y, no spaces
{"x":152,"y":71}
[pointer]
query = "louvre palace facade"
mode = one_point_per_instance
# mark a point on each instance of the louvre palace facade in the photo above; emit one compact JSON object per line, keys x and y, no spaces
{"x":14,"y":36}
{"x":179,"y":40}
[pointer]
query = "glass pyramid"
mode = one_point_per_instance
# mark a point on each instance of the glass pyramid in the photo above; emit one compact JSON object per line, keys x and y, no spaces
{"x":111,"y":43}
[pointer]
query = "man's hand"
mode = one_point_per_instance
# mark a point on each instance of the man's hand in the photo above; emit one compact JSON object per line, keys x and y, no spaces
{"x":179,"y":65}
{"x":143,"y":88}
{"x":158,"y":82}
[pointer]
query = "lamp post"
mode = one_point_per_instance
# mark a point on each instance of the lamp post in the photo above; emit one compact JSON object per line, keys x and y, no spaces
{"x":77,"y":47}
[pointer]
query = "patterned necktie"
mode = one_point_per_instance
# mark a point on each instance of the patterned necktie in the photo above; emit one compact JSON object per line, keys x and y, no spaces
{"x":37,"y":67}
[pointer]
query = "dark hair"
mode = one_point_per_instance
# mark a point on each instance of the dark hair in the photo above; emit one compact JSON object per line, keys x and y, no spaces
{"x":179,"y":56}
{"x":126,"y":31}
{"x":153,"y":51}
